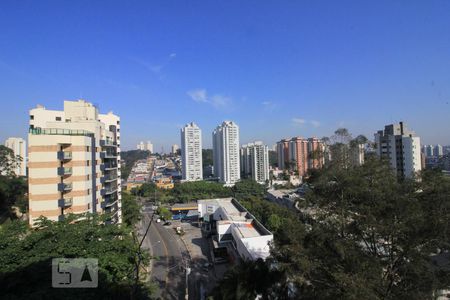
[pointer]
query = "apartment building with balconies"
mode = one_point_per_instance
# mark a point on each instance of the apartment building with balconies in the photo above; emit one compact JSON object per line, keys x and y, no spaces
{"x":73,"y":162}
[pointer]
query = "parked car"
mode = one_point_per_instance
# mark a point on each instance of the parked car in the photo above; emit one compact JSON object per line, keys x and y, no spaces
{"x":158,"y":220}
{"x":167,"y":223}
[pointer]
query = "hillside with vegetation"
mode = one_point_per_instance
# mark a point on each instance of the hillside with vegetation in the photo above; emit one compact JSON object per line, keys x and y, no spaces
{"x":130,"y":157}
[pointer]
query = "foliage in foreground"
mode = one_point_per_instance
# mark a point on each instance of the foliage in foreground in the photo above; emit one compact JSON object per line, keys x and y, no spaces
{"x":370,"y":237}
{"x":26,"y":254}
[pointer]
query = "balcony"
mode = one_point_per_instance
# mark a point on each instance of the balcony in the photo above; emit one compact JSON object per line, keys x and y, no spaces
{"x":107,"y":143}
{"x":65,"y":202}
{"x":59,"y":131}
{"x":108,"y":203}
{"x":108,"y":178}
{"x":64,"y":171}
{"x":64,"y":155}
{"x":108,"y":155}
{"x":109,"y":190}
{"x":65,"y":187}
{"x":108,"y":166}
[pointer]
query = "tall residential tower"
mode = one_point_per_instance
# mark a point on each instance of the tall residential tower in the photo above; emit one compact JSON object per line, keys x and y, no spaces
{"x":226,"y":153}
{"x":73,"y":164}
{"x":300,"y":154}
{"x":191,"y":152}
{"x":255,"y":161}
{"x":401,"y":147}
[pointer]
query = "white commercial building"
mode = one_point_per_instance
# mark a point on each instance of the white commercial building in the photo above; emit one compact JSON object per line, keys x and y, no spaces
{"x":145,"y":146}
{"x":226,"y":153}
{"x":255,"y":161}
{"x":428,"y":150}
{"x":175,"y":148}
{"x":234,"y":224}
{"x":73,"y":162}
{"x":438,"y":150}
{"x":191,"y":152}
{"x":401,"y":147}
{"x":18,"y":146}
{"x":357,"y":155}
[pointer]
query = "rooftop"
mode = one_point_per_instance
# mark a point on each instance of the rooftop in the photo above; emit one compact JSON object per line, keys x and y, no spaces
{"x":245,"y":223}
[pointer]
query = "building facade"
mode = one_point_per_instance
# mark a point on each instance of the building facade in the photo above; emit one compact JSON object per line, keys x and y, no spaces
{"x":401,"y":147}
{"x":235,"y":225}
{"x":148,"y":146}
{"x":299,"y":154}
{"x":357,"y":155}
{"x":191,"y":152}
{"x":18,"y":146}
{"x":438,"y":150}
{"x":74,"y":158}
{"x":175,"y":148}
{"x":255,"y":161}
{"x":226,"y":153}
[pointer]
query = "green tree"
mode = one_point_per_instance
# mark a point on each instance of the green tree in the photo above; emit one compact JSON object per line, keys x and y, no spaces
{"x":8,"y":161}
{"x":164,"y":212}
{"x":131,"y":213}
{"x":207,"y":157}
{"x":26,"y":254}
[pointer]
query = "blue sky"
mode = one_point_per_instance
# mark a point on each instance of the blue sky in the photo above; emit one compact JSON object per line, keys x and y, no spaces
{"x":277,"y":68}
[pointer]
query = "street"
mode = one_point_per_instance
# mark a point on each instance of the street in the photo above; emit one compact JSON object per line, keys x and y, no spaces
{"x":168,"y":263}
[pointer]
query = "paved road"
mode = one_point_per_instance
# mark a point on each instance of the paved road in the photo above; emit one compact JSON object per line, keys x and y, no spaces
{"x":167,"y":268}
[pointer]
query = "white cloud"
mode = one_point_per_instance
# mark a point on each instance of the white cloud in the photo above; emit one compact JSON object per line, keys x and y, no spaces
{"x":268,"y":105}
{"x":154,"y":68}
{"x":198,"y":95}
{"x":315,"y":123}
{"x":220,"y":101}
{"x":216,"y":100}
{"x":298,"y":121}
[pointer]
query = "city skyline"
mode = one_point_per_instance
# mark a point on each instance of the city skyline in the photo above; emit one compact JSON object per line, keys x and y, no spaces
{"x":304,"y":69}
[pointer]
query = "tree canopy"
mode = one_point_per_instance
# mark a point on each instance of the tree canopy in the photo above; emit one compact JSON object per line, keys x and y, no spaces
{"x":26,"y":254}
{"x":368,"y":236}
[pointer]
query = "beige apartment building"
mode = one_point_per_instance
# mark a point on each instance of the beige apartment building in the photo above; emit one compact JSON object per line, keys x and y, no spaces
{"x":73,"y":162}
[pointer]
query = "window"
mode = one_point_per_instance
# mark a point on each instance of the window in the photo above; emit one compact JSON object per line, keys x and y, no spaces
{"x":118,"y":122}
{"x":58,"y":118}
{"x":89,"y":191}
{"x":88,"y":149}
{"x":31,"y":117}
{"x":88,"y":177}
{"x":89,"y":206}
{"x":88,"y":163}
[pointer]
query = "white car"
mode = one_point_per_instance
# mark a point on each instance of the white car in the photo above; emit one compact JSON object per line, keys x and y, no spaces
{"x":158,"y":220}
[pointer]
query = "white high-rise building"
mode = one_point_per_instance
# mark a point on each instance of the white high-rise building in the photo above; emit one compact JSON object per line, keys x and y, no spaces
{"x":438,"y":150}
{"x":226,"y":153}
{"x":18,"y":146}
{"x":428,"y":150}
{"x":357,"y":155}
{"x":73,"y":162}
{"x":401,"y":147}
{"x":191,"y":152}
{"x":255,"y":161}
{"x":149,"y":146}
{"x":175,"y":148}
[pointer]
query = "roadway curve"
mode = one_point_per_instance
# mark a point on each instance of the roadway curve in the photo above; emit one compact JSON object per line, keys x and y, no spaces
{"x":167,"y":268}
